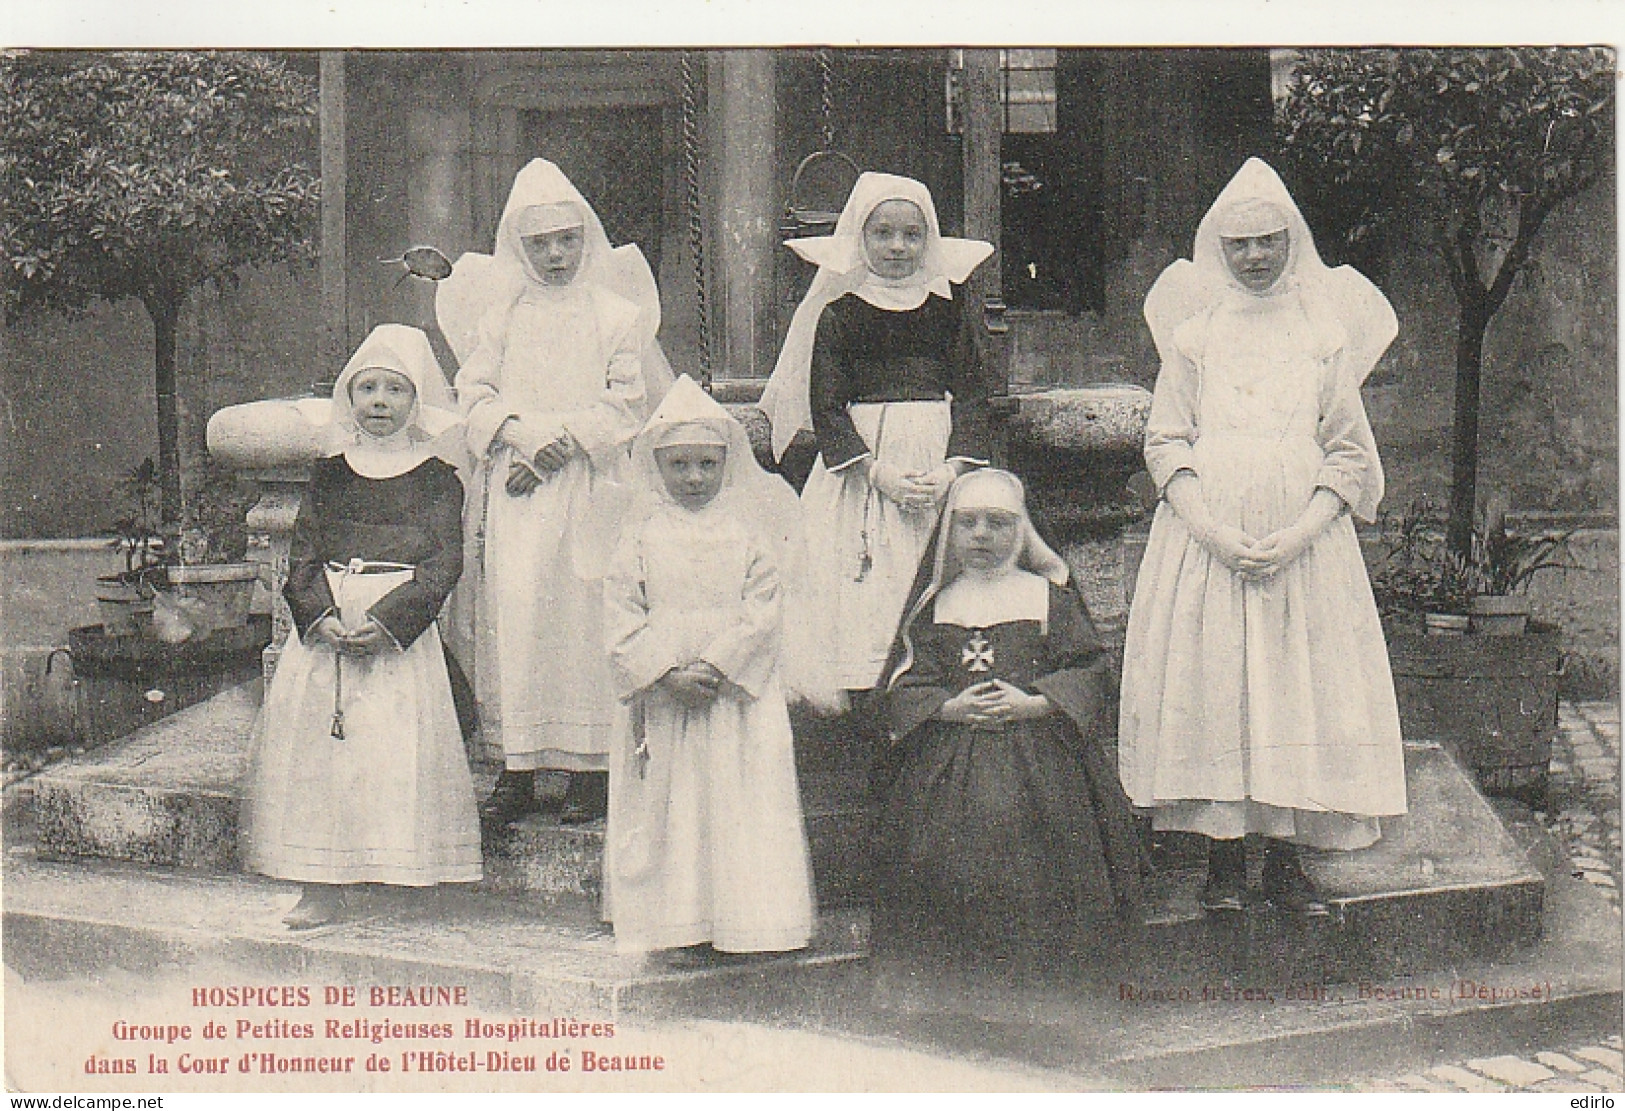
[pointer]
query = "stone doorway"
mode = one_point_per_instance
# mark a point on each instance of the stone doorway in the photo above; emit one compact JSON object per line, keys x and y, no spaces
{"x":616,"y":157}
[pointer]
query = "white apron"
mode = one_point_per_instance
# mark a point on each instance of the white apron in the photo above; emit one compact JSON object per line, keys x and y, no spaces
{"x":862,"y":553}
{"x":392,"y":802}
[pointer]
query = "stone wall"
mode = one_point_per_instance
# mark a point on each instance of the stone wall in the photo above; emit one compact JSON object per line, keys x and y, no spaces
{"x":79,"y":404}
{"x":1549,"y":415}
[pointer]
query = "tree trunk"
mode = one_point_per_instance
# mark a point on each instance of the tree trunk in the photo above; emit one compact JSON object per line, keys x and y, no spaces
{"x":1464,"y":445}
{"x":164,"y":315}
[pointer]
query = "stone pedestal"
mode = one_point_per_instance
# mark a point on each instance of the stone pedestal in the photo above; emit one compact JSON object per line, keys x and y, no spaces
{"x":274,"y":443}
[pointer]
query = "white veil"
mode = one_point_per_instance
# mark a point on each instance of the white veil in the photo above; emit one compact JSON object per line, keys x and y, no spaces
{"x":843,"y":268}
{"x":1350,"y":314}
{"x":480,"y":284}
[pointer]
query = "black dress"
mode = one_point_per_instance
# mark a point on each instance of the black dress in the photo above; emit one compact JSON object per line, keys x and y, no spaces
{"x":1016,"y":837}
{"x":358,"y":773}
{"x":864,"y":355}
{"x":415,"y":518}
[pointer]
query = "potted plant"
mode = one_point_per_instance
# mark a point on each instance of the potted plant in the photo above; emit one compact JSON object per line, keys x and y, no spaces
{"x":125,"y":600}
{"x":210,"y":585}
{"x":1501,"y":567}
{"x":1492,"y":699}
{"x":1418,"y":580}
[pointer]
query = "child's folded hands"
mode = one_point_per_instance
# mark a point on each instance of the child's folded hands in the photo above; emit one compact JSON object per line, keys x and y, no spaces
{"x":522,"y":479}
{"x":369,"y":640}
{"x":906,"y":489}
{"x":694,"y":684}
{"x":993,"y":702}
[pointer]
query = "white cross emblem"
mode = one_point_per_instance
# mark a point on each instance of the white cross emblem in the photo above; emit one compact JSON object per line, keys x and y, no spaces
{"x":977,"y":655}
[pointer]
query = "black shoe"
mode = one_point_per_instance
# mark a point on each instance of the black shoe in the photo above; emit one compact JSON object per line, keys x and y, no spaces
{"x":514,"y":797}
{"x":1286,"y":885}
{"x":586,"y":799}
{"x":1223,"y":897}
{"x":1226,"y":889}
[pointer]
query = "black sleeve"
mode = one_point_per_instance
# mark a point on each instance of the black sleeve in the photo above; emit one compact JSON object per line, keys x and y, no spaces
{"x":1076,"y":683}
{"x":306,"y":590}
{"x":411,"y":608}
{"x":917,"y":695}
{"x":831,"y":388}
{"x":971,"y":383}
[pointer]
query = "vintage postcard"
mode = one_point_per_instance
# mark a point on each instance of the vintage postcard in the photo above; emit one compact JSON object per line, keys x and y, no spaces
{"x":687,"y":550}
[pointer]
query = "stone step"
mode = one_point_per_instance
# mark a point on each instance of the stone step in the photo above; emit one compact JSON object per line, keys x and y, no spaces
{"x":91,"y":917}
{"x":168,"y":795}
{"x":1446,"y":883}
{"x":169,"y":930}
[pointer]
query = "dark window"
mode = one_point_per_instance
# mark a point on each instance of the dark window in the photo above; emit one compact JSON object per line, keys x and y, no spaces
{"x":613,"y":157}
{"x":1050,"y":212}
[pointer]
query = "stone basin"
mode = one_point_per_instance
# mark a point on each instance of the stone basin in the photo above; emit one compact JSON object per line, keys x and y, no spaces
{"x":1105,"y":418}
{"x":285,"y":433}
{"x":279,"y":434}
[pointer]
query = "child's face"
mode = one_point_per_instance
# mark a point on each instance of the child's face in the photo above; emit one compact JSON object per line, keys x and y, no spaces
{"x":381,"y":400}
{"x":985,"y":539}
{"x":692,"y":472}
{"x":894,"y":238}
{"x":1257,"y":261}
{"x":555,"y":255}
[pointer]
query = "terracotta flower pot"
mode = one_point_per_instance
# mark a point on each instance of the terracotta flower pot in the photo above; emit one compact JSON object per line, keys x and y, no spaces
{"x":1500,"y":614}
{"x":213,"y":596}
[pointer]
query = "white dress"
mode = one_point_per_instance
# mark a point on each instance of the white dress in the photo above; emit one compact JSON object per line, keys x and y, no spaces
{"x":863,"y":550}
{"x":392,"y":802}
{"x":705,"y":835}
{"x":1263,"y":706}
{"x":564,"y":356}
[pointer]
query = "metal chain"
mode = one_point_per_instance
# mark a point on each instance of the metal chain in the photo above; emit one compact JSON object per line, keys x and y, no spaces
{"x":826,"y":105}
{"x":696,"y":227}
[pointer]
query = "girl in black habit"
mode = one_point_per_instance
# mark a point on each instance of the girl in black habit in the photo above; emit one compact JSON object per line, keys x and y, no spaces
{"x":359,"y":774}
{"x":1003,"y":830}
{"x":879,"y":364}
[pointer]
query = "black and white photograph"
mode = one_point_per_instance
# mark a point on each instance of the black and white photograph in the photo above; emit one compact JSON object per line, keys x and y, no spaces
{"x":789,"y":552}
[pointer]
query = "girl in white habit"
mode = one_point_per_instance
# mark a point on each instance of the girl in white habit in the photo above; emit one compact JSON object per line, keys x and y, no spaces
{"x":554,"y":391}
{"x":705,"y":838}
{"x":1256,"y":691}
{"x":881,"y":366}
{"x":358,"y":773}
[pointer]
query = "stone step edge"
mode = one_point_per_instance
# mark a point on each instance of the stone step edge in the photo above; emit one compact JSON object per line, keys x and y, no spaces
{"x":306,"y":953}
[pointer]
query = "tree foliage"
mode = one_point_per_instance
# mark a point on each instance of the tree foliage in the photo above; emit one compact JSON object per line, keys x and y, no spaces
{"x":1480,"y":144}
{"x":148,"y":175}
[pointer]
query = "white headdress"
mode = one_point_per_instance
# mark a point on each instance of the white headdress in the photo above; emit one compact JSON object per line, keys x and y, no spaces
{"x":1350,"y":315}
{"x":543,"y":200}
{"x":983,"y":488}
{"x":405,"y":351}
{"x":843,"y":268}
{"x":689,"y":415}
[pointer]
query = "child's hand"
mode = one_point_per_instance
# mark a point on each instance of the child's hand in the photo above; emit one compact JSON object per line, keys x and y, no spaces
{"x":694,"y":685}
{"x":552,"y":457}
{"x":974,"y":705}
{"x":1275,"y":551}
{"x":1231,"y":547}
{"x":904,"y":488}
{"x":521,"y":480}
{"x":329,"y":630}
{"x":1015,"y":704}
{"x":938,"y":479}
{"x":369,"y":640}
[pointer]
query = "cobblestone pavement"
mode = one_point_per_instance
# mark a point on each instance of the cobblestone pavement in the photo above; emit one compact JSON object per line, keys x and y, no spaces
{"x":1582,"y":1070}
{"x":1584,"y":814}
{"x":1584,"y":809}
